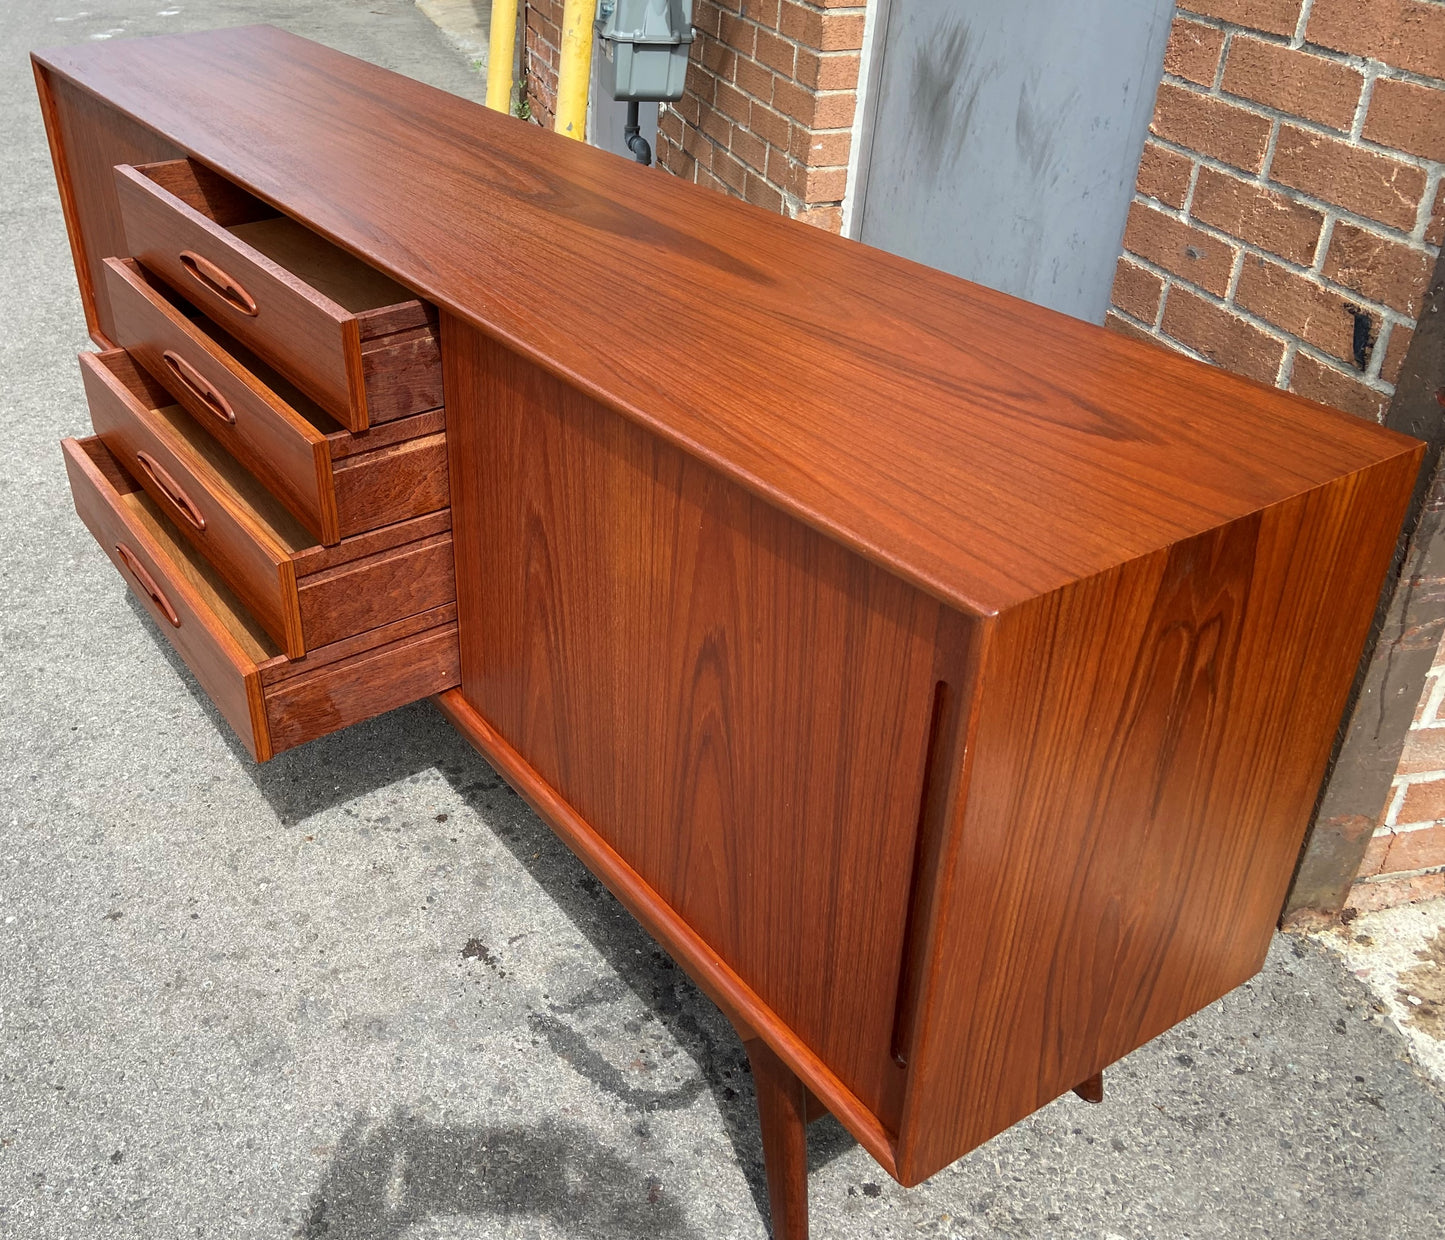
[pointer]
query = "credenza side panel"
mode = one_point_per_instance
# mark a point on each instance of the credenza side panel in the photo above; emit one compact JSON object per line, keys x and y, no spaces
{"x":740,"y":707}
{"x":87,"y":139}
{"x":1149,"y":746}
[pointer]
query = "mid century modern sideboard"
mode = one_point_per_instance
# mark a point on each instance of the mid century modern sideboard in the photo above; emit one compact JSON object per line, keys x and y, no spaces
{"x":945,"y":683}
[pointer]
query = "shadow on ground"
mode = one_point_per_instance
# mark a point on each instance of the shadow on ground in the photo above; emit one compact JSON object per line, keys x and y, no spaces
{"x":388,"y":1176}
{"x":480,"y":1170}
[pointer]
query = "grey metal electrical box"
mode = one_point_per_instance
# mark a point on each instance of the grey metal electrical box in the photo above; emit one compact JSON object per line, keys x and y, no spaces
{"x":644,"y":47}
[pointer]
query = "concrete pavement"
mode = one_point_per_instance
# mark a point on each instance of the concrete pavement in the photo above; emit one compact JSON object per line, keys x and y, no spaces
{"x":361,"y":993}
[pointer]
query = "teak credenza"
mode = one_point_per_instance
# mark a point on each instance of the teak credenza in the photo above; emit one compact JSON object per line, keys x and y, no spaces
{"x":944,"y":682}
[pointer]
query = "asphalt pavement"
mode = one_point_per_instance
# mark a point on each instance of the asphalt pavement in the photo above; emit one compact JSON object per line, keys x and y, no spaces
{"x":360,"y":993}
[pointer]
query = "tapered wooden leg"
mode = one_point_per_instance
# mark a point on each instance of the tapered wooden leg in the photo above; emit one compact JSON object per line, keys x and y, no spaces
{"x":1091,"y":1090}
{"x":783,"y":1115}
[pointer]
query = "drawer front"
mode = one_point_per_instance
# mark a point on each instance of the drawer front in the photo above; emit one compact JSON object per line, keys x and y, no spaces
{"x":311,"y":339}
{"x":273,"y":703}
{"x":220,"y":663}
{"x":199,"y":503}
{"x":283,"y":450}
{"x":303,"y":707}
{"x":374,"y":590}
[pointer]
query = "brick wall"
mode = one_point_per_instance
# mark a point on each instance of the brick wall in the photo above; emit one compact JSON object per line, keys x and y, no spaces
{"x":771,"y":97}
{"x":770,"y":101}
{"x":1289,"y":204}
{"x":543,"y":34}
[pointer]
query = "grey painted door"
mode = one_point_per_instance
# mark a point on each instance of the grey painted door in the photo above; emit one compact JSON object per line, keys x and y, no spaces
{"x":1005,"y":139}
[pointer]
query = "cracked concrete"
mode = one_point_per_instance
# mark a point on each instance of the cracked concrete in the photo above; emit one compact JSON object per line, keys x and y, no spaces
{"x":361,"y":992}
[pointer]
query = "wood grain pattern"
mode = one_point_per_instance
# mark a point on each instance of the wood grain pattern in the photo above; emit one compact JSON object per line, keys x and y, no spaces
{"x":944,"y":682}
{"x":274,"y":440}
{"x":87,"y":138}
{"x":690,"y":669}
{"x":1147,"y":748}
{"x":272,"y":703}
{"x":249,"y":538}
{"x":222,"y":656}
{"x":335,"y":483}
{"x":783,"y":1120}
{"x":892,"y":392}
{"x":377,"y":589}
{"x":301,"y":708}
{"x":739,"y":1003}
{"x":304,"y":299}
{"x":407,"y":479}
{"x":302,"y":594}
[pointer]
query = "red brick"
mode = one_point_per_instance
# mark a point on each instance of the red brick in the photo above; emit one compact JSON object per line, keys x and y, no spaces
{"x":827,"y":71}
{"x":822,"y":149}
{"x":834,"y":109}
{"x":764,"y":12}
{"x":1126,"y":327}
{"x":823,"y":185}
{"x":1422,"y":849}
{"x":1180,"y":248}
{"x":729,"y":171}
{"x":1435,"y":229}
{"x":1293,"y":81}
{"x":1258,"y":215}
{"x":755,"y":79}
{"x":1424,"y":802}
{"x":717,"y":127}
{"x":758,"y":192}
{"x":1224,"y":338}
{"x":795,"y":102}
{"x":1193,"y":51}
{"x":750,"y":148}
{"x":1212,"y":126}
{"x":829,"y":219}
{"x":1408,"y":117}
{"x":1366,"y":897}
{"x":1395,"y":351}
{"x":1367,"y":183}
{"x":1137,"y":290}
{"x":1299,"y":305}
{"x":1424,"y":748}
{"x":824,"y":32}
{"x":776,"y":53}
{"x":669,"y":124}
{"x":770,"y":126}
{"x":732,"y":103}
{"x":1316,"y":380}
{"x":1164,"y":174}
{"x":781,"y":169}
{"x":737,"y":34}
{"x":1375,"y":853}
{"x":1275,"y":16}
{"x":1376,"y":267}
{"x":1409,"y":34}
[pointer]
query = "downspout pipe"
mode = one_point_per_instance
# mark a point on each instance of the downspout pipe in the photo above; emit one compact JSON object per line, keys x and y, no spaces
{"x":574,"y":74}
{"x":500,"y":54}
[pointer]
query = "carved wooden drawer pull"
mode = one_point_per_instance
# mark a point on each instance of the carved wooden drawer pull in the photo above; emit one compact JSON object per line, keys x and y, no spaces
{"x":205,"y":273}
{"x":148,"y":583}
{"x":199,"y":386}
{"x":171,"y":489}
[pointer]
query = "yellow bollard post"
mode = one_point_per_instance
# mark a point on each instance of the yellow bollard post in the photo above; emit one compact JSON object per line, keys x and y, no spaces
{"x":574,"y":75}
{"x":500,"y":52}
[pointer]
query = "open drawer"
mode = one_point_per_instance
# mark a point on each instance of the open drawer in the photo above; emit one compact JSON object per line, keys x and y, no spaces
{"x":334,"y":482}
{"x":303,"y":594}
{"x":273,"y":703}
{"x":348,"y":336}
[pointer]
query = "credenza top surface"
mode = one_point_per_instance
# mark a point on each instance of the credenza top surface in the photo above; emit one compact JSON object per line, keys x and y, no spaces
{"x":984,"y":448}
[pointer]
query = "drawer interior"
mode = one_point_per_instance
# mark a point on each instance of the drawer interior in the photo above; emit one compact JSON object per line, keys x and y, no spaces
{"x":267,"y":375}
{"x":347,"y":281}
{"x":187,"y":563}
{"x":246,"y":493}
